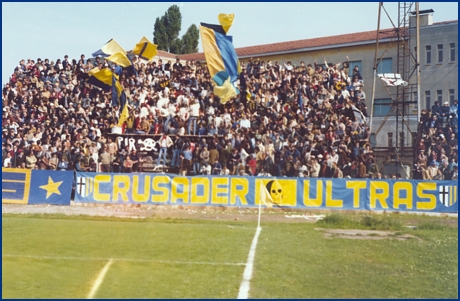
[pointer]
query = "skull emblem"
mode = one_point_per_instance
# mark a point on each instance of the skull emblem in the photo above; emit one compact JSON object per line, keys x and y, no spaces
{"x":276,"y":191}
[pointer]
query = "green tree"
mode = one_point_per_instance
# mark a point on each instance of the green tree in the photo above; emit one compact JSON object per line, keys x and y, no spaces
{"x":166,"y":33}
{"x":190,"y":40}
{"x":160,"y":37}
{"x":167,"y":28}
{"x":174,"y":22}
{"x":176,"y":46}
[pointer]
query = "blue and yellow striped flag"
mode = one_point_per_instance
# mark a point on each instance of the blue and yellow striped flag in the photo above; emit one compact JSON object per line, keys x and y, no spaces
{"x":145,"y":49}
{"x":111,"y":47}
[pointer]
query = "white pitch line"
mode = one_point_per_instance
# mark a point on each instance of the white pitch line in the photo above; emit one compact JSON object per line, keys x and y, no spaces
{"x":247,"y":275}
{"x":122,"y":259}
{"x":99,"y":280}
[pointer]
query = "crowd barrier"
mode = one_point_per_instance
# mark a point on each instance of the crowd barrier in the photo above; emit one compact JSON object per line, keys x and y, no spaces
{"x":54,"y":187}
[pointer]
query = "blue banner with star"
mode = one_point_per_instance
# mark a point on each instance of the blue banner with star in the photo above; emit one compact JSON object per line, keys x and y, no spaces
{"x":25,"y":186}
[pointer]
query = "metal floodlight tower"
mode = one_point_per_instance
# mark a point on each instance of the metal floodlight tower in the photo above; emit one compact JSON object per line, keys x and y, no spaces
{"x":405,"y":98}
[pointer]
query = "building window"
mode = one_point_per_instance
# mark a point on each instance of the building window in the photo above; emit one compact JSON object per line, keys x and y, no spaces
{"x":390,"y":139}
{"x":352,"y":65}
{"x":373,"y":140}
{"x":401,"y":140}
{"x":451,"y":95}
{"x":439,"y":96}
{"x":452,"y":52}
{"x":428,"y":99}
{"x":385,"y":66}
{"x":440,"y":53}
{"x":382,"y":107}
{"x":428,"y":54}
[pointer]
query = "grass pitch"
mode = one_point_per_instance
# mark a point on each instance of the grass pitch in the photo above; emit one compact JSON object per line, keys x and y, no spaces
{"x":61,"y":257}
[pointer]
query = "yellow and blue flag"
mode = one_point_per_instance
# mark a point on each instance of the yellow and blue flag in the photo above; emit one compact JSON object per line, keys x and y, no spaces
{"x":145,"y":49}
{"x":221,"y":58}
{"x":124,"y":110}
{"x":107,"y":80}
{"x":111,"y":47}
{"x":117,"y":90}
{"x":121,"y":59}
{"x":101,"y":78}
{"x":226,"y":21}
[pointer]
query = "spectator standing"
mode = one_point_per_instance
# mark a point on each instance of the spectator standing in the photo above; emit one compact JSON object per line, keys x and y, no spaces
{"x":445,"y":113}
{"x":63,"y":164}
{"x":186,"y":160}
{"x":194,"y":111}
{"x":128,"y":164}
{"x":135,"y":158}
{"x":53,"y":162}
{"x":31,"y":160}
{"x":165,"y":142}
{"x":178,"y":143}
{"x":105,"y":160}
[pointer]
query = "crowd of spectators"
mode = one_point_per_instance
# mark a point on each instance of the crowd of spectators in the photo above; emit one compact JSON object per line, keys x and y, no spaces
{"x":295,"y":121}
{"x":437,"y":152}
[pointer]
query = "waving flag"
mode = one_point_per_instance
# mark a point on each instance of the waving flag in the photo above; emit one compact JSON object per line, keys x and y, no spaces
{"x":145,"y":49}
{"x":123,"y":60}
{"x":101,"y":78}
{"x":124,"y":113}
{"x":117,"y":90}
{"x":107,"y":81}
{"x":120,"y":58}
{"x":111,"y":47}
{"x":359,"y":115}
{"x":221,"y":58}
{"x":392,"y":80}
{"x":226,"y":21}
{"x":265,"y":196}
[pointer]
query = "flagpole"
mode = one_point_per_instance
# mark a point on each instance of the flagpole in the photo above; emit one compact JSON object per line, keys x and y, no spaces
{"x":258,"y":219}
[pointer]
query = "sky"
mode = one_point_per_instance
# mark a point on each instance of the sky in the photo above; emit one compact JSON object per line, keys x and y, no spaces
{"x":51,"y":29}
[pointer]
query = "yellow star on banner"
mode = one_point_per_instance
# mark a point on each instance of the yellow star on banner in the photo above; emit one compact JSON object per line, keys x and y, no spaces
{"x":51,"y":187}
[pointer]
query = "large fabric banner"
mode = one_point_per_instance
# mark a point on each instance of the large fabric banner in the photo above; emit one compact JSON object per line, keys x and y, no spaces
{"x":25,"y":186}
{"x":301,"y":193}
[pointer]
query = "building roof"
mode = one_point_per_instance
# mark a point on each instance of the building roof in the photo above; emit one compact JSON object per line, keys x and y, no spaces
{"x":364,"y":37}
{"x":166,"y":55}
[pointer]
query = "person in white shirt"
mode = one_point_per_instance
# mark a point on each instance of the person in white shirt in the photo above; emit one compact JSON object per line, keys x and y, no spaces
{"x":184,"y":114}
{"x":194,"y":111}
{"x":8,"y":160}
{"x":245,"y":123}
{"x":162,"y":102}
{"x":165,"y":142}
{"x":217,"y":121}
{"x":288,"y":66}
{"x":144,"y":111}
{"x":171,"y":112}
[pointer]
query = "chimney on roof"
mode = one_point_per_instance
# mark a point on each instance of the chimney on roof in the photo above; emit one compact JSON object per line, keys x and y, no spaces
{"x":426,"y":18}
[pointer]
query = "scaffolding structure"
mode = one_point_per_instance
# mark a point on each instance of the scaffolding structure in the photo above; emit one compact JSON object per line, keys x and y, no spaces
{"x":405,"y":99}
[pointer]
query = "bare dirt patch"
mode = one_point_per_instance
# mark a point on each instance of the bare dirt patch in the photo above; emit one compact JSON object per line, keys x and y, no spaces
{"x":166,"y":212}
{"x":364,"y":234}
{"x":187,"y":212}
